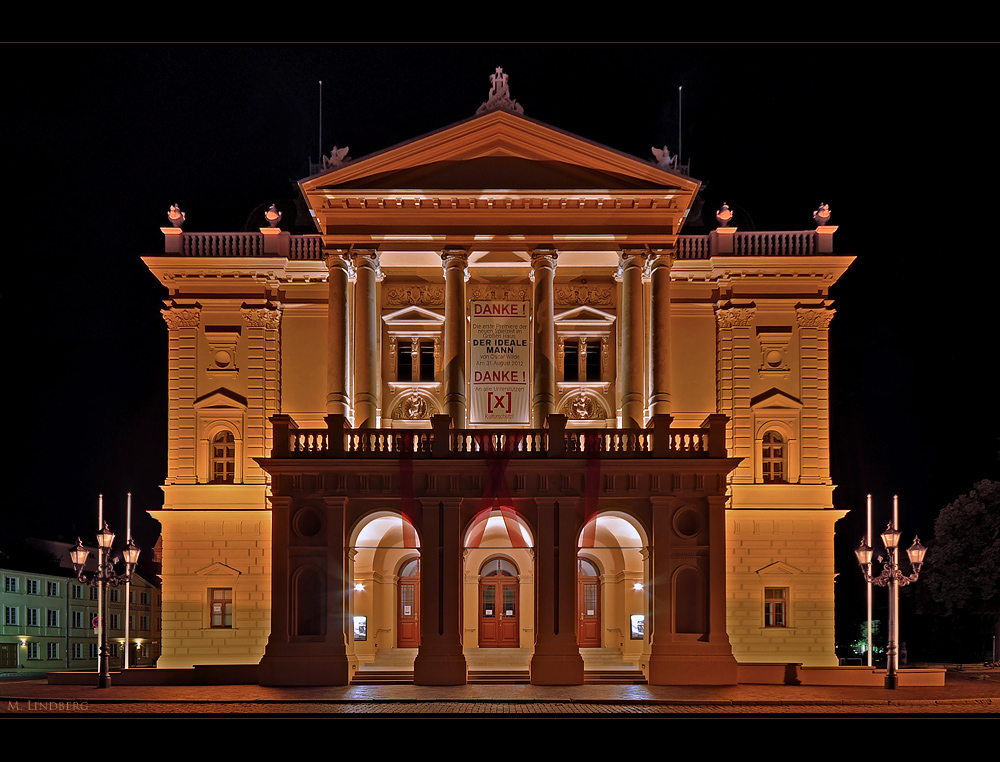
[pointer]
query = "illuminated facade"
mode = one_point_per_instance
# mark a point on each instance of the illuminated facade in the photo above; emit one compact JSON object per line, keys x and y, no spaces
{"x":498,"y":401}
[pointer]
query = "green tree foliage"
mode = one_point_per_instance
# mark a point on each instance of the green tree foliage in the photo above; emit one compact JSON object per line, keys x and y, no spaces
{"x":963,"y":564}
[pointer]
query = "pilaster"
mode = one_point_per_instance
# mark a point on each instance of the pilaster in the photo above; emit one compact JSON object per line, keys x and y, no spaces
{"x":183,"y":324}
{"x":455,"y":262}
{"x":814,"y":324}
{"x":734,"y":347}
{"x":263,"y":326}
{"x":543,"y":267}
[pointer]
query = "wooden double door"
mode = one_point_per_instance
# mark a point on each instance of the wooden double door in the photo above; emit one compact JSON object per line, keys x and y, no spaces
{"x":498,"y":612}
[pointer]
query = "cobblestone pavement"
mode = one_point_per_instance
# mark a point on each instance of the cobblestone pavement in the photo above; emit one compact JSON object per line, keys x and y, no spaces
{"x":969,"y":694}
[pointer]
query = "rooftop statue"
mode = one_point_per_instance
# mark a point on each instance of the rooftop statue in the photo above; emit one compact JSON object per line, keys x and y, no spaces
{"x":663,"y":158}
{"x":338,"y":157}
{"x":500,"y":96}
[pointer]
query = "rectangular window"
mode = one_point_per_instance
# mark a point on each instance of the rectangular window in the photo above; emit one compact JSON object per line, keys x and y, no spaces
{"x":93,"y":593}
{"x":114,"y":621}
{"x":32,"y":617}
{"x":10,"y":585}
{"x":144,"y":598}
{"x":78,"y":650}
{"x":77,"y":592}
{"x":404,"y":360}
{"x":571,"y":361}
{"x":144,"y":623}
{"x":775,"y":606}
{"x":115,"y":595}
{"x":53,"y":650}
{"x":52,"y":617}
{"x":32,"y":587}
{"x":10,"y":615}
{"x":53,"y":588}
{"x":220,"y":607}
{"x":426,"y":360}
{"x":78,"y":619}
{"x":94,"y":651}
{"x":32,"y":650}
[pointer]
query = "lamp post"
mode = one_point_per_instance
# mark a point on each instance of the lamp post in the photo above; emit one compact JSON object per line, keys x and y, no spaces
{"x":893,"y":578}
{"x":104,"y":577}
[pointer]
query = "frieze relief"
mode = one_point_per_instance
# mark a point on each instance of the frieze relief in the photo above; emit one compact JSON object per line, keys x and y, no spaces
{"x":583,"y":293}
{"x":485,"y":292}
{"x":417,"y":294}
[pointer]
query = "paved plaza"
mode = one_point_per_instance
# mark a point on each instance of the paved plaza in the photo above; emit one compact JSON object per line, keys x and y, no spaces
{"x":968,"y":692}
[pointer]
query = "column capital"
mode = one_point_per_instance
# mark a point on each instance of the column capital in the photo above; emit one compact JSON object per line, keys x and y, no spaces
{"x":182,"y":317}
{"x":730,"y":316}
{"x":814,"y":317}
{"x":544,"y":256}
{"x":266,"y":316}
{"x":337,"y":259}
{"x":365,"y":257}
{"x":660,"y":258}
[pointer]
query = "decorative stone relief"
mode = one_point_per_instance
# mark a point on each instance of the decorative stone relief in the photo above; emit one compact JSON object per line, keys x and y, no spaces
{"x":411,"y":407}
{"x":182,"y":317}
{"x":573,"y":294}
{"x":583,"y":407}
{"x":222,"y":350}
{"x":814,"y":317}
{"x":500,"y":293}
{"x":418,"y":294}
{"x":774,"y":350}
{"x":499,"y":98}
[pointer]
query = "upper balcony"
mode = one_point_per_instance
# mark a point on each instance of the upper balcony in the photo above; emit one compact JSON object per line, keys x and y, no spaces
{"x":555,"y":441}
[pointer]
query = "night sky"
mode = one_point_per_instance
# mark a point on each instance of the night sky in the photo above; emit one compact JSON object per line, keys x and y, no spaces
{"x":100,"y":140}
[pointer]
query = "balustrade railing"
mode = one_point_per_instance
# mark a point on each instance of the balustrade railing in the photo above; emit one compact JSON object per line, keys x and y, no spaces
{"x":442,"y":441}
{"x":310,"y":247}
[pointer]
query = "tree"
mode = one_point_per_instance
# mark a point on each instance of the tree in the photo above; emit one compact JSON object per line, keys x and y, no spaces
{"x":963,"y":564}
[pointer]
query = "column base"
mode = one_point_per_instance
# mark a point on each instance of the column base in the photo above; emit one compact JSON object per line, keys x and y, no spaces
{"x":557,"y":668}
{"x":304,"y":670}
{"x":446,"y":669}
{"x":691,"y":669}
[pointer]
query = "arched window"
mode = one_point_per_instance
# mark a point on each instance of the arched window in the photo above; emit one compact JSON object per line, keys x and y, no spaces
{"x":773,"y":458}
{"x":223,"y":458}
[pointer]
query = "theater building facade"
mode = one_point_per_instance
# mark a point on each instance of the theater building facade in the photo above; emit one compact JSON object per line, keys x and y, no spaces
{"x":498,"y":401}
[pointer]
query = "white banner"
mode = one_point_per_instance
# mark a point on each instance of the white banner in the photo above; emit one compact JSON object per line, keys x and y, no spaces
{"x":500,"y":362}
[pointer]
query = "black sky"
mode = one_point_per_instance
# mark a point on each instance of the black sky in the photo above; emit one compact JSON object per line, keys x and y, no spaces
{"x":100,"y":140}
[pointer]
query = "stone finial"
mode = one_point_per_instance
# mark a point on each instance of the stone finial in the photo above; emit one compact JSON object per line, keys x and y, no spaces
{"x":176,"y":216}
{"x":499,"y":99}
{"x":663,"y":158}
{"x":724,"y":216}
{"x":822,"y":215}
{"x":273,"y":216}
{"x":338,"y":157}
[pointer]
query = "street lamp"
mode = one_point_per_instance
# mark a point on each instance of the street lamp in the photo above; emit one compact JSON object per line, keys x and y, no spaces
{"x":104,"y":577}
{"x":893,"y":578}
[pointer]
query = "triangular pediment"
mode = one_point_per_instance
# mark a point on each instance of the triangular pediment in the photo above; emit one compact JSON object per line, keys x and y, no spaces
{"x":413,"y":315}
{"x":499,"y":150}
{"x":221,"y":397}
{"x":218,"y":570}
{"x":778,"y":568}
{"x":584,"y":314}
{"x":775,"y":398}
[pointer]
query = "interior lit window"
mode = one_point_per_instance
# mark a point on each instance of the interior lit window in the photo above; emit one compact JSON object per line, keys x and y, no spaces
{"x":773,"y":458}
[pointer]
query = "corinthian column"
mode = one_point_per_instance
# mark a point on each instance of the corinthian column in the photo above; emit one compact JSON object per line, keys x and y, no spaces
{"x":455,"y":403}
{"x":659,"y":275}
{"x":543,"y":397}
{"x":337,"y":400}
{"x":630,"y":314}
{"x":365,"y":339}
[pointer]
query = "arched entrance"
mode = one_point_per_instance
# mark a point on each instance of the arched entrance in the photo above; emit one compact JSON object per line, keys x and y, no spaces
{"x":385,"y":589}
{"x":612,"y":576}
{"x":499,"y":587}
{"x":499,"y":607}
{"x":588,"y":604}
{"x":408,"y":612}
